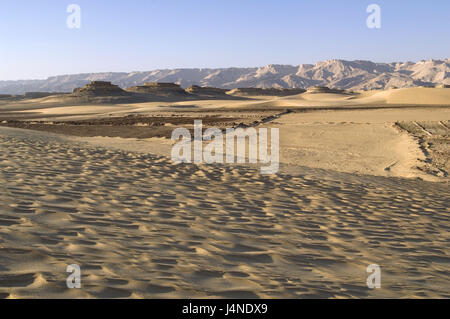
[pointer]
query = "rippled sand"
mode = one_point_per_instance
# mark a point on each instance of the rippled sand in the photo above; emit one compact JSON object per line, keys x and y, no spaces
{"x":140,"y":226}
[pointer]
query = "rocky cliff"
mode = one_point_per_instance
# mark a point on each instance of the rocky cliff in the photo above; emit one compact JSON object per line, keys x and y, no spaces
{"x":339,"y":74}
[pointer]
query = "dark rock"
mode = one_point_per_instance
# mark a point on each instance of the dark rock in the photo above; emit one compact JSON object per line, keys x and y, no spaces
{"x":99,"y":88}
{"x":323,"y":89}
{"x":269,"y":91}
{"x":205,"y":91}
{"x":158,"y":89}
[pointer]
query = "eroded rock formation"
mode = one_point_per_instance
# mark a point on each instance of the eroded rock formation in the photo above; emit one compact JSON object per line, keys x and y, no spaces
{"x":159,"y":89}
{"x":323,"y":89}
{"x":99,"y":88}
{"x":271,"y":91}
{"x":206,"y":91}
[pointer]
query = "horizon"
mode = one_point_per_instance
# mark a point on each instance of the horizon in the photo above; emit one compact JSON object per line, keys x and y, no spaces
{"x":220,"y":68}
{"x":138,"y":35}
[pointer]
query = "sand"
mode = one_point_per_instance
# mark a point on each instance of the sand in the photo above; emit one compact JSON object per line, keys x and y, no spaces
{"x":348,"y":195}
{"x":54,"y":106}
{"x":140,"y":226}
{"x":357,"y":141}
{"x":366,"y":141}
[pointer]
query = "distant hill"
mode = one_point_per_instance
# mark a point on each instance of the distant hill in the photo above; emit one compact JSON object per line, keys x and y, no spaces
{"x":338,"y":74}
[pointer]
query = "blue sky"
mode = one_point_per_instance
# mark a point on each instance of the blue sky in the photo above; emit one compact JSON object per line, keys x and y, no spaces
{"x":142,"y":35}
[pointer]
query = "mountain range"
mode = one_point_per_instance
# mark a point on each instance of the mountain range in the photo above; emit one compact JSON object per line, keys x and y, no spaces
{"x":339,"y":74}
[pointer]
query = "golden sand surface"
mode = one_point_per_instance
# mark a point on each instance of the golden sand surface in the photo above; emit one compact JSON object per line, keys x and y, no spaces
{"x":363,"y":180}
{"x":141,"y":227}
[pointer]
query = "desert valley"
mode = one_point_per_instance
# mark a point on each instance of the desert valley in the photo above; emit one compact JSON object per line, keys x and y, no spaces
{"x":87,"y":179}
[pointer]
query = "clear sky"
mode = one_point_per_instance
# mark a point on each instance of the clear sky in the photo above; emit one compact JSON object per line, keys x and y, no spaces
{"x":142,"y":35}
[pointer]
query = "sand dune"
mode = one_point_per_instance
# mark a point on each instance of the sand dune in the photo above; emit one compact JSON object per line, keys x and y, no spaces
{"x":140,"y":226}
{"x":358,"y":137}
{"x":361,"y":141}
{"x":59,"y":107}
{"x":411,"y":96}
{"x":348,"y":194}
{"x":356,"y":141}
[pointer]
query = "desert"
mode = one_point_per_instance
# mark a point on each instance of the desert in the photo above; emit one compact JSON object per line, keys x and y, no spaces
{"x":87,"y":178}
{"x":224,"y":159}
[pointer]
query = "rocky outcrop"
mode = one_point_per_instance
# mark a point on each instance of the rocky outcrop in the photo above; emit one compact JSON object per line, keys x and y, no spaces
{"x":323,"y":89}
{"x":442,"y":86}
{"x":206,"y":91}
{"x":159,"y":89}
{"x":99,"y":88}
{"x":270,"y":92}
